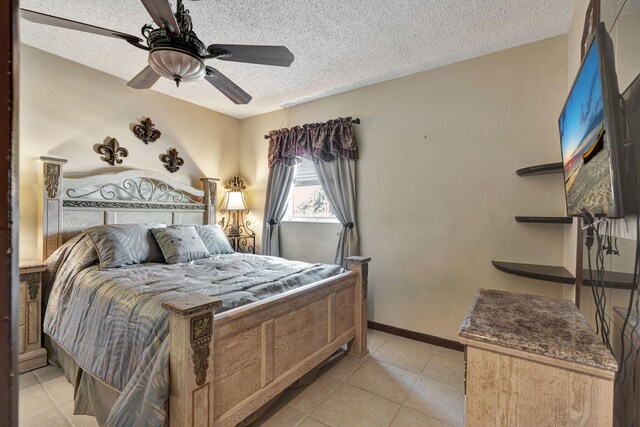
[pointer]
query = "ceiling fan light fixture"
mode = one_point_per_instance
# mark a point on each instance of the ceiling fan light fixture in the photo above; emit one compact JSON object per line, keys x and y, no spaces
{"x":177,"y":65}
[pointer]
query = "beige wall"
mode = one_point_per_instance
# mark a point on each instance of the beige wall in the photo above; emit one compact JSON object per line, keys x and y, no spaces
{"x":309,"y":241}
{"x":436,"y":184}
{"x":67,"y":108}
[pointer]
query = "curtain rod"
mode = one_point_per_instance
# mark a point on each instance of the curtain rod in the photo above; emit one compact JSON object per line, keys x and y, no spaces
{"x":354,"y":121}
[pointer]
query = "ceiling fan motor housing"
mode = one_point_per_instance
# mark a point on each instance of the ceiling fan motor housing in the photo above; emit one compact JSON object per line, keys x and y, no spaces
{"x":178,"y":57}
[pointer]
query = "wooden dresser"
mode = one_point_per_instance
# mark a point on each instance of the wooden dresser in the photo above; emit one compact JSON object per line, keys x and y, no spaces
{"x":534,"y":361}
{"x":32,"y":355}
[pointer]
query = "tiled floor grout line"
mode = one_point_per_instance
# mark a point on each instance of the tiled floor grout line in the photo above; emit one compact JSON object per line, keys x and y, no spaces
{"x":342,"y":382}
{"x":333,"y":391}
{"x":308,"y":414}
{"x":52,"y":400}
{"x":395,"y":416}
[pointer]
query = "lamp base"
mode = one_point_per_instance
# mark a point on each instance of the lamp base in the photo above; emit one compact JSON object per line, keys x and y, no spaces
{"x":234,"y":231}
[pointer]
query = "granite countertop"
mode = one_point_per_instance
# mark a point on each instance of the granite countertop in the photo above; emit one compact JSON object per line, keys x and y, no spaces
{"x":534,"y":324}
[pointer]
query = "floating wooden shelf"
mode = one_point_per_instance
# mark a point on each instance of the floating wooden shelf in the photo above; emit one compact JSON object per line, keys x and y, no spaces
{"x":546,"y":219}
{"x":548,"y":273}
{"x":541,"y":169}
{"x":559,"y":274}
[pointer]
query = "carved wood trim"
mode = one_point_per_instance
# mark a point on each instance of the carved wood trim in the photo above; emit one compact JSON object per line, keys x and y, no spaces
{"x":52,"y":179}
{"x":50,"y":205}
{"x":129,"y":205}
{"x":201,"y":331}
{"x":33,"y":284}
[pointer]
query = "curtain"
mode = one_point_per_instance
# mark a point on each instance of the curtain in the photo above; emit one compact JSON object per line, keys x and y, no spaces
{"x":324,"y":141}
{"x":338,"y":181}
{"x":278,"y":188}
{"x":333,"y":148}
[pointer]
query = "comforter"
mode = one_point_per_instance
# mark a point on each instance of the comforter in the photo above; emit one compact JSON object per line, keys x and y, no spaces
{"x":112,"y":323}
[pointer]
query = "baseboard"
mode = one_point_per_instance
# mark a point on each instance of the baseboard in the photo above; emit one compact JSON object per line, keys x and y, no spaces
{"x":418,"y":336}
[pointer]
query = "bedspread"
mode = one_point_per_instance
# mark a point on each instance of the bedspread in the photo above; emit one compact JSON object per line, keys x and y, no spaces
{"x":113,"y":324}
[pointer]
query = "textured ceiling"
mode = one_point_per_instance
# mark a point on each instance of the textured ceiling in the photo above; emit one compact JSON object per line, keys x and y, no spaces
{"x":338,"y":44}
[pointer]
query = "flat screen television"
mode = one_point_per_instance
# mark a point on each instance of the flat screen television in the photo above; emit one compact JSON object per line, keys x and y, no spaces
{"x":597,"y":167}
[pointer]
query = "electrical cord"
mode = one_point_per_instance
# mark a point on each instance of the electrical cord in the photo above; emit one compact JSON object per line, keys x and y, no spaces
{"x":601,"y":325}
{"x":633,"y":297}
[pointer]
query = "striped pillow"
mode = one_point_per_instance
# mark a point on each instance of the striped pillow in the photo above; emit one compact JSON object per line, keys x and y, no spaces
{"x":214,"y":239}
{"x":118,"y":245}
{"x":180,"y":243}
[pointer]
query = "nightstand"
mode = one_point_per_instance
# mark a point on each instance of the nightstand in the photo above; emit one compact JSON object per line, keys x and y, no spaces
{"x":244,"y":243}
{"x":32,"y":355}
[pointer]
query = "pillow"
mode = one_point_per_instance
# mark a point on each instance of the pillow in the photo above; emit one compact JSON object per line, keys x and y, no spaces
{"x":180,"y":243}
{"x":214,"y":239}
{"x":118,"y":245}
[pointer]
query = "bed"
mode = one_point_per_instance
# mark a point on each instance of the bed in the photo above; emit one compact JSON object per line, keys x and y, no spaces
{"x":221,"y":367}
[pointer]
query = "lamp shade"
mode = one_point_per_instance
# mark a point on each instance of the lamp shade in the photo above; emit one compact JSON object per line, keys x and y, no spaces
{"x":235,"y":201}
{"x":176,"y":65}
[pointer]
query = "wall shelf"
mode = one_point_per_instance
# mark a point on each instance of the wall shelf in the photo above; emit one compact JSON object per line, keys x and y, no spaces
{"x":540,"y":169}
{"x":548,"y":273}
{"x":545,"y":219}
{"x":559,"y":274}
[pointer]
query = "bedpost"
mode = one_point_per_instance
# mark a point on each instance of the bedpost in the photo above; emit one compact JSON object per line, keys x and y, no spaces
{"x":191,"y":360}
{"x":49,"y":205}
{"x":360,"y":266}
{"x":210,"y":187}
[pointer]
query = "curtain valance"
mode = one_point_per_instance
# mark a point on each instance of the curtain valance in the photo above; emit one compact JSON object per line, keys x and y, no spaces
{"x":323,"y":141}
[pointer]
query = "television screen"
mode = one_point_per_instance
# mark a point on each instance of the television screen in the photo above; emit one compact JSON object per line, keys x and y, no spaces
{"x":598,"y":166}
{"x":586,"y":151}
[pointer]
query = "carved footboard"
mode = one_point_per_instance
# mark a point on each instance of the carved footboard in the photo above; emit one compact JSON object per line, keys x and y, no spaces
{"x":224,"y":370}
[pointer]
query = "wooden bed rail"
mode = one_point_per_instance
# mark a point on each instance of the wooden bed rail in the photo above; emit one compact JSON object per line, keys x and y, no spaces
{"x":261,"y":348}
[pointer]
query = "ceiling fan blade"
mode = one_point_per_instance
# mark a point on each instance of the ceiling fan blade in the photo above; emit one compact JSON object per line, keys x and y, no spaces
{"x":145,"y":79}
{"x":227,"y":87}
{"x":266,"y":55}
{"x":41,"y":18}
{"x":160,"y":11}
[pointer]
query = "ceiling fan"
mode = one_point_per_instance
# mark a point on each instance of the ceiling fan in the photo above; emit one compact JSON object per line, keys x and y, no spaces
{"x":175,"y":52}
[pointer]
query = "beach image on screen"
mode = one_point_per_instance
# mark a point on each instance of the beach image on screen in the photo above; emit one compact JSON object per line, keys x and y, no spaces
{"x":585,"y":146}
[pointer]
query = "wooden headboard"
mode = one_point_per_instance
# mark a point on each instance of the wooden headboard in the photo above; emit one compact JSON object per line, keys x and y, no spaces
{"x":69,"y":205}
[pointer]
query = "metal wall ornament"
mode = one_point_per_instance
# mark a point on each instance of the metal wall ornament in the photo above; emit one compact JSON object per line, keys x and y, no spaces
{"x":146,"y":131}
{"x":171,"y":160}
{"x":112,"y":152}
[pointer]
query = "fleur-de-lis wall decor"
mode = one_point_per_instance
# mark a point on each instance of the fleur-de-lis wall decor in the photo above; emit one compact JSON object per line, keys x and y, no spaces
{"x":112,"y":152}
{"x":171,"y":160}
{"x":146,"y":131}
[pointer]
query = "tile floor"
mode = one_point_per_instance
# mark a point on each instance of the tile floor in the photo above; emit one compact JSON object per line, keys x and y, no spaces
{"x":403,"y":383}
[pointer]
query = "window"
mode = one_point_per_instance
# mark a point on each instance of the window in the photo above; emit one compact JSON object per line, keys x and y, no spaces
{"x":307,"y":201}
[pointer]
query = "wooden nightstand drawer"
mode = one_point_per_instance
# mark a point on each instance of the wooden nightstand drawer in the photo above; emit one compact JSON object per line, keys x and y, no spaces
{"x":32,"y":355}
{"x":22,"y":339}
{"x":23,"y":300}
